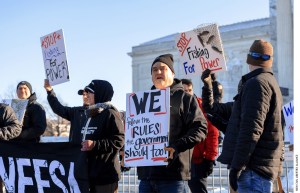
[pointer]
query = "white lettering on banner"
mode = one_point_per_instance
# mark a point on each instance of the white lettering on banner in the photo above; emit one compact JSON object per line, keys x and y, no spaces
{"x":74,"y":188}
{"x":23,"y":180}
{"x":37,"y":164}
{"x":9,"y":180}
{"x":57,"y":165}
{"x":18,"y":170}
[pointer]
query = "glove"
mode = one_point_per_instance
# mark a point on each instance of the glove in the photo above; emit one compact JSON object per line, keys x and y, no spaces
{"x":234,"y":175}
{"x":207,"y":167}
{"x":206,"y":78}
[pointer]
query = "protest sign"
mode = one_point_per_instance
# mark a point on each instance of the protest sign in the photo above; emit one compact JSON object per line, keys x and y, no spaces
{"x":43,"y":167}
{"x":19,"y":107}
{"x":288,"y":112}
{"x":200,"y":49}
{"x":147,"y":127}
{"x":55,"y":58}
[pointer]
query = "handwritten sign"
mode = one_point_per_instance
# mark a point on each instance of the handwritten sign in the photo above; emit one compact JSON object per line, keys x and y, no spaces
{"x":146,"y":128}
{"x":18,"y":105}
{"x":200,"y":49}
{"x":55,"y":58}
{"x":288,"y":112}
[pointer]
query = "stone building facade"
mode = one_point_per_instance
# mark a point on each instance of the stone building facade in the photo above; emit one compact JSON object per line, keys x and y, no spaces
{"x":236,"y":39}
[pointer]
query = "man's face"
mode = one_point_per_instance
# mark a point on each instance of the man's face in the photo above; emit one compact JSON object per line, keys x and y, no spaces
{"x":91,"y":98}
{"x":188,"y":89}
{"x":85,"y":98}
{"x":23,"y":92}
{"x":162,"y":75}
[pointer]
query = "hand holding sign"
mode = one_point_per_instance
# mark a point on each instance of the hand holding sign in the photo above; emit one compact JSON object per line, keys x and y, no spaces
{"x":171,"y":153}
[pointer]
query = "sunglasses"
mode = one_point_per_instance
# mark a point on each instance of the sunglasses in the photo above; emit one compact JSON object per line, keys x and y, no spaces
{"x":258,"y":56}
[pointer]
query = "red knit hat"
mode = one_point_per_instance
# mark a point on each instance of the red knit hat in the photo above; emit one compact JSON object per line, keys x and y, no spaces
{"x":259,"y":48}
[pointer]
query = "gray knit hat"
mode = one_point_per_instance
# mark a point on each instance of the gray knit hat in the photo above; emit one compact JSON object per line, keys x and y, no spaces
{"x":166,"y":59}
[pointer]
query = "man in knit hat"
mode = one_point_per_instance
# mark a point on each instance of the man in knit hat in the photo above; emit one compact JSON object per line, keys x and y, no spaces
{"x":253,"y":143}
{"x":34,"y":122}
{"x":187,"y":128}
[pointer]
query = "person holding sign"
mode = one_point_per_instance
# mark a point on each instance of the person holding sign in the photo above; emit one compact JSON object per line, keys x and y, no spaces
{"x":76,"y":115}
{"x":187,"y":128}
{"x":253,"y":143}
{"x":34,"y":122}
{"x":103,"y":137}
{"x":204,"y":153}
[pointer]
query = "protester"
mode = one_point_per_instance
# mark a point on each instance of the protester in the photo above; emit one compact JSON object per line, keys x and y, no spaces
{"x":187,"y":128}
{"x":204,"y":153}
{"x":103,"y":137}
{"x":9,"y":127}
{"x":34,"y":122}
{"x":253,"y":143}
{"x":76,"y":115}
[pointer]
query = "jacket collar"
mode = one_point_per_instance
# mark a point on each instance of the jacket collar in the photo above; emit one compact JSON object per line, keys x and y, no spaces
{"x":255,"y":73}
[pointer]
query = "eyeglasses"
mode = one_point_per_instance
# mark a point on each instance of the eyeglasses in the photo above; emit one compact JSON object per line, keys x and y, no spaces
{"x":258,"y":56}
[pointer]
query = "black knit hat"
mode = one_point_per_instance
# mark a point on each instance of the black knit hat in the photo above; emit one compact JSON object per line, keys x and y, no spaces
{"x":25,"y":83}
{"x":166,"y":59}
{"x":80,"y":91}
{"x":261,"y":47}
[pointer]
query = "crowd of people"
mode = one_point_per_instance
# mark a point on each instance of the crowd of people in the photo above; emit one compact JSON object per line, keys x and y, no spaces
{"x":251,"y":125}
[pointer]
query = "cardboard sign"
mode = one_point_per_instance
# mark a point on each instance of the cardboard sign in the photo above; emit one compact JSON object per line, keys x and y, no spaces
{"x":147,"y":125}
{"x":55,"y":58}
{"x":19,"y":106}
{"x":200,"y":49}
{"x":288,"y":112}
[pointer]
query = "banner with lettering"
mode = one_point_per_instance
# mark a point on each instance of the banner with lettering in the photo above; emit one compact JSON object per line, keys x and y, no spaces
{"x":200,"y":49}
{"x":55,"y":58}
{"x":43,"y":167}
{"x":288,"y":112}
{"x":18,"y":105}
{"x":146,"y":128}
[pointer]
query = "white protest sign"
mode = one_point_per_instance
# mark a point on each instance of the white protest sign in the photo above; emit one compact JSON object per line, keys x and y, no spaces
{"x":147,"y":127}
{"x":18,"y":105}
{"x":200,"y":49}
{"x":288,"y":112}
{"x":55,"y":58}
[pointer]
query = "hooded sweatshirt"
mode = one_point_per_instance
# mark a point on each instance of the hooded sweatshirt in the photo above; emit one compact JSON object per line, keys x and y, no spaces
{"x":106,"y":129}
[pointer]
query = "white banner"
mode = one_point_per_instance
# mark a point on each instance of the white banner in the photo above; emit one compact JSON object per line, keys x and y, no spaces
{"x":147,"y":127}
{"x":200,"y":49}
{"x":55,"y":58}
{"x":288,"y":112}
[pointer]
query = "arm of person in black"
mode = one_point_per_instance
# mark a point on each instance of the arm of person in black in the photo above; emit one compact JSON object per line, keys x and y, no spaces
{"x":63,"y":111}
{"x":9,"y":125}
{"x":217,"y":113}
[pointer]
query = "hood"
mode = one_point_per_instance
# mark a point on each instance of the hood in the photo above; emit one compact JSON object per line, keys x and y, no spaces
{"x":103,"y":90}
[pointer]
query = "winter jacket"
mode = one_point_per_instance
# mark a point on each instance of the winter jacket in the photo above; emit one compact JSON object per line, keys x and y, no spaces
{"x":106,"y":128}
{"x":254,"y":135}
{"x":76,"y":115}
{"x":34,"y":122}
{"x":208,"y":148}
{"x":9,"y":125}
{"x":187,"y":128}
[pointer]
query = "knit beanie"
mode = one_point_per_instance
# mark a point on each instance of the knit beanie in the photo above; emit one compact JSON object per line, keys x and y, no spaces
{"x":166,"y":59}
{"x":261,"y":47}
{"x":25,"y":83}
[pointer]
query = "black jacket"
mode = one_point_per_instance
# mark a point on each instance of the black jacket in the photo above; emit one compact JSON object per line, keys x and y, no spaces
{"x":34,"y":122}
{"x":76,"y":115}
{"x":107,"y":130}
{"x":254,"y":135}
{"x":188,"y":127}
{"x":9,"y":124}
